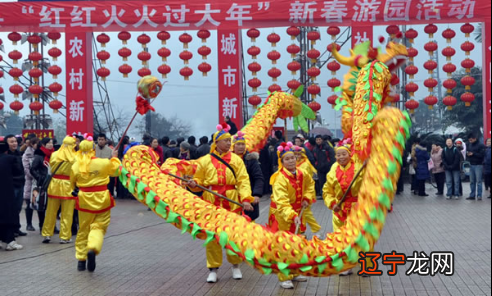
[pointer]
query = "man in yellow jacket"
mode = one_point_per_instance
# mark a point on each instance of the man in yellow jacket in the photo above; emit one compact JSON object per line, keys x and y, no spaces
{"x":230,"y":180}
{"x":293,"y":189}
{"x":94,"y":201}
{"x":60,"y":193}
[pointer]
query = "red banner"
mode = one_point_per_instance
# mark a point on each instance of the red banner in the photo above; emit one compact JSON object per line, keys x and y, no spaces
{"x":193,"y":15}
{"x":80,"y":110}
{"x":230,"y":76}
{"x":361,"y":34}
{"x":39,"y":133}
{"x":486,"y":78}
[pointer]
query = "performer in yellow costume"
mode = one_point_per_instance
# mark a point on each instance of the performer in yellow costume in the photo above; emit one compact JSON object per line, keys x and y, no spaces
{"x":305,"y":165}
{"x":293,"y":189}
{"x":229,"y":180}
{"x":60,"y":193}
{"x":94,"y":202}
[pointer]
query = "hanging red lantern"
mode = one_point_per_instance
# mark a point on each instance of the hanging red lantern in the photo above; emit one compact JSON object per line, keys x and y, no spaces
{"x":1,"y":57}
{"x":55,"y":71}
{"x":125,"y":52}
{"x":468,"y":64}
{"x":293,"y":49}
{"x":431,"y":47}
{"x":35,"y":90}
{"x":448,"y":34}
{"x":185,"y":38}
{"x":293,"y":84}
{"x":16,"y":90}
{"x":411,"y":105}
{"x":163,"y":36}
{"x":203,"y":34}
{"x":273,"y":56}
{"x":164,"y":53}
{"x":204,"y":68}
{"x":103,"y":73}
{"x":430,"y":66}
{"x":430,"y":101}
{"x":273,"y":38}
{"x":253,"y":34}
{"x":430,"y":29}
{"x":36,"y":106}
{"x":313,"y":54}
{"x":449,"y":84}
{"x":395,"y":80}
{"x":55,"y":88}
{"x":55,"y":105}
{"x":142,"y":72}
{"x":54,"y":36}
{"x":274,"y":73}
{"x":103,"y":56}
{"x":315,"y":106}
{"x":204,"y":51}
{"x":254,"y":83}
{"x":411,"y":34}
{"x":15,"y":55}
{"x":254,"y":67}
{"x":103,"y":39}
{"x":467,"y":46}
{"x":293,"y":32}
{"x":333,"y":31}
{"x":395,"y":98}
{"x":392,"y":30}
{"x":412,"y":53}
{"x":15,"y":73}
{"x":54,"y":53}
{"x":329,"y":48}
{"x":468,"y":98}
{"x":1,"y":104}
{"x":411,"y":70}
{"x":449,"y":101}
{"x":186,"y":72}
{"x":467,"y":29}
{"x":411,"y":88}
{"x":35,"y":73}
{"x":333,"y":66}
{"x":35,"y":57}
{"x":34,"y":40}
{"x":313,"y":36}
{"x":313,"y":72}
{"x":186,"y":56}
{"x":448,"y":52}
{"x":16,"y":106}
{"x":125,"y":69}
{"x":254,"y":51}
{"x":333,"y":83}
{"x":124,"y":37}
{"x":449,"y":68}
{"x":274,"y":88}
{"x":254,"y":101}
{"x":1,"y":74}
{"x":332,"y":100}
{"x":144,"y":56}
{"x":164,"y":70}
{"x":430,"y":84}
{"x":294,"y":66}
{"x":14,"y":37}
{"x":143,"y":39}
{"x":1,"y":92}
{"x":467,"y":81}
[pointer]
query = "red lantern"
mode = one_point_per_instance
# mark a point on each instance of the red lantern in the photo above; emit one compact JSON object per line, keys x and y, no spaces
{"x":143,"y":39}
{"x":14,"y":37}
{"x":294,"y":66}
{"x":34,"y":40}
{"x":411,"y":88}
{"x":125,"y":52}
{"x":1,"y":57}
{"x":449,"y":84}
{"x":273,"y":56}
{"x":1,"y":74}
{"x":313,"y":54}
{"x":411,"y":105}
{"x":293,"y":84}
{"x":274,"y":88}
{"x":1,"y":104}
{"x":411,"y":34}
{"x":449,"y":68}
{"x":254,"y":100}
{"x":273,"y":38}
{"x":253,"y":34}
{"x":55,"y":88}
{"x":35,"y":57}
{"x":54,"y":36}
{"x":204,"y":51}
{"x":204,"y":68}
{"x":144,"y":56}
{"x":315,"y":106}
{"x":313,"y":36}
{"x":203,"y":34}
{"x":394,"y":79}
{"x":36,"y":106}
{"x":430,"y":84}
{"x":35,"y":73}
{"x":333,"y":31}
{"x":333,"y":83}
{"x":468,"y":64}
{"x":164,"y":53}
{"x":124,"y":37}
{"x":467,"y":81}
{"x":254,"y":67}
{"x":55,"y":71}
{"x":125,"y":69}
{"x":448,"y":52}
{"x":186,"y":72}
{"x":392,"y":30}
{"x":431,"y":47}
{"x":16,"y":90}
{"x":430,"y":66}
{"x":103,"y":39}
{"x":55,"y":105}
{"x":430,"y":29}
{"x":430,"y":101}
{"x":274,"y":73}
{"x":185,"y":38}
{"x":103,"y":73}
{"x":467,"y":29}
{"x":15,"y":73}
{"x":254,"y":51}
{"x":293,"y":32}
{"x":15,"y":55}
{"x":411,"y":70}
{"x":468,"y":98}
{"x":448,"y":34}
{"x":142,"y":72}
{"x":54,"y":53}
{"x":467,"y":46}
{"x":164,"y":70}
{"x":449,"y":101}
{"x":293,"y":49}
{"x":394,"y":99}
{"x":313,"y":72}
{"x":103,"y":56}
{"x":163,"y":36}
{"x":1,"y":92}
{"x":329,"y":48}
{"x":35,"y":90}
{"x":16,"y":106}
{"x":333,"y":66}
{"x":254,"y":83}
{"x":412,"y":53}
{"x":186,"y":56}
{"x":332,"y":100}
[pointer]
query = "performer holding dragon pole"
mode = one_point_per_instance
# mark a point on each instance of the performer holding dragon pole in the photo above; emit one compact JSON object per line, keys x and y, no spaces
{"x":293,"y":191}
{"x":225,"y":173}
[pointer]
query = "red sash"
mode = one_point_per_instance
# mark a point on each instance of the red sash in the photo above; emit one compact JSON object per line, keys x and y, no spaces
{"x":221,"y":187}
{"x":61,"y":177}
{"x":344,"y":179}
{"x":95,"y":189}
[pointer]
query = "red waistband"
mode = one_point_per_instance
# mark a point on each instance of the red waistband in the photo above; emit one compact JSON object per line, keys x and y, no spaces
{"x":61,"y":177}
{"x":222,"y":187}
{"x":94,"y":188}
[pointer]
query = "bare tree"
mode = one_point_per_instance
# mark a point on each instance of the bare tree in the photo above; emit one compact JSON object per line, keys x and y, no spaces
{"x":162,"y":126}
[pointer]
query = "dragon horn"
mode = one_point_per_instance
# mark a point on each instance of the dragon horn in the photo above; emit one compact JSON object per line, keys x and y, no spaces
{"x":347,"y":61}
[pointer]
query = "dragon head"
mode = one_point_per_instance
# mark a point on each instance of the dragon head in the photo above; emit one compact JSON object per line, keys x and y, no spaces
{"x":395,"y":57}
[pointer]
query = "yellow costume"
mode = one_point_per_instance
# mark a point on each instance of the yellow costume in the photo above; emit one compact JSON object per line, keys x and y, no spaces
{"x":94,"y":201}
{"x":60,"y":192}
{"x":305,"y":165}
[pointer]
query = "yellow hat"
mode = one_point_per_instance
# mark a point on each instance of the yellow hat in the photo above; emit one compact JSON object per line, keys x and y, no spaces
{"x":66,"y":151}
{"x":221,"y":134}
{"x":85,"y":154}
{"x":239,"y":138}
{"x":345,"y":144}
{"x":282,"y":150}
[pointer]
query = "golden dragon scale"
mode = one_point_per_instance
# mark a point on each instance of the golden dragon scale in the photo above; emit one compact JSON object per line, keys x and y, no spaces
{"x":280,"y":251}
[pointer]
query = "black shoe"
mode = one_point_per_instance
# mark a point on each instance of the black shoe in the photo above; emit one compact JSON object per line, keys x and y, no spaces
{"x":81,"y":266}
{"x":91,"y":258}
{"x":20,"y":233}
{"x":470,"y":198}
{"x":30,"y":228}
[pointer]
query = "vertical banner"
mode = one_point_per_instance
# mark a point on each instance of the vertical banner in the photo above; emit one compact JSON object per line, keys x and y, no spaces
{"x":79,"y":103}
{"x":486,"y":77}
{"x":361,"y":34}
{"x":230,"y":76}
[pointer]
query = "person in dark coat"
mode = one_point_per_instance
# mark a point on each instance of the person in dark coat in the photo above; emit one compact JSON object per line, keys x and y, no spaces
{"x":475,"y":154}
{"x":233,"y":126}
{"x":266,"y":168}
{"x":451,"y":158}
{"x":422,"y":170}
{"x":9,"y":215}
{"x":325,"y":157}
{"x":204,"y":147}
{"x":486,"y":167}
{"x":166,"y":150}
{"x":193,"y":147}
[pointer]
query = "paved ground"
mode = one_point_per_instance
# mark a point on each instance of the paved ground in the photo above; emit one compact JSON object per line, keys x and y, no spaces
{"x":144,"y":256}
